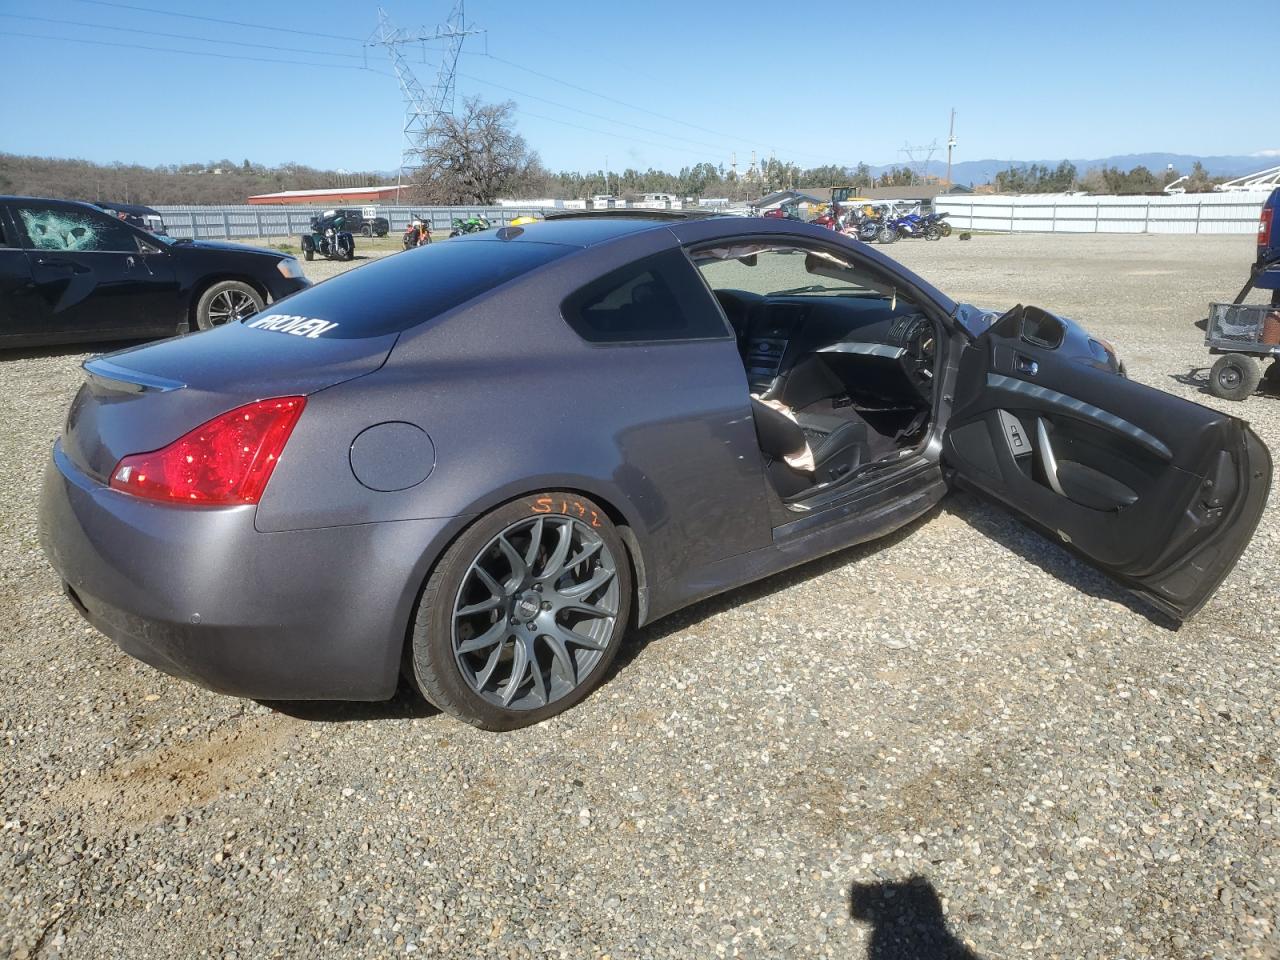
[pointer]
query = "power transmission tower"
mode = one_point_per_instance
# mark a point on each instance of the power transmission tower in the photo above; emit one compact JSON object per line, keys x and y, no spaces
{"x":914,"y":154}
{"x":422,"y":110}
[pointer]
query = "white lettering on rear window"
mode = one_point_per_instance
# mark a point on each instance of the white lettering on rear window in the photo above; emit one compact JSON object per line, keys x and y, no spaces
{"x":309,"y":327}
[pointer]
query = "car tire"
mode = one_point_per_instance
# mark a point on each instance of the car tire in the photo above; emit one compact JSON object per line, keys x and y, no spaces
{"x":366,"y":231}
{"x":227,"y":301}
{"x":469,"y":639}
{"x":1234,"y":377}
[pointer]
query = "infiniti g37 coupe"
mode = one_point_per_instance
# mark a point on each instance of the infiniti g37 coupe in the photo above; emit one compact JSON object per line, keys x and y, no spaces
{"x":479,"y":461}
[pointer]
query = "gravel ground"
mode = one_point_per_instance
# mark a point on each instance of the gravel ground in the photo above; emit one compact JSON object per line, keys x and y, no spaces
{"x":958,"y":742}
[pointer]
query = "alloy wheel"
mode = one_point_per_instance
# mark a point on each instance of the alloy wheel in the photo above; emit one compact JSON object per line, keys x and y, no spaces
{"x":535,"y":612}
{"x":230,"y":306}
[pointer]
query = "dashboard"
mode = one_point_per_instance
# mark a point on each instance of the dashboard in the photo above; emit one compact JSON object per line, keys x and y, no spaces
{"x":775,"y":333}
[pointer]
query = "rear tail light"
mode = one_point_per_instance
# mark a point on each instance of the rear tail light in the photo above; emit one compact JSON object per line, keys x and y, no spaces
{"x":226,"y":460}
{"x":1264,"y":226}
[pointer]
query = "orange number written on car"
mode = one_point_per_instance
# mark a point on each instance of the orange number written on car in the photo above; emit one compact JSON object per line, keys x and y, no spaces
{"x":567,"y":507}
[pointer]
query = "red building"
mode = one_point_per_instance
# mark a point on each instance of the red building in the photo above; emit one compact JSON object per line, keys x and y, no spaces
{"x":332,"y":196}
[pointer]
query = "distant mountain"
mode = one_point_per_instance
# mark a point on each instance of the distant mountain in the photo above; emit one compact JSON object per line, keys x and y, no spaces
{"x":984,"y":171}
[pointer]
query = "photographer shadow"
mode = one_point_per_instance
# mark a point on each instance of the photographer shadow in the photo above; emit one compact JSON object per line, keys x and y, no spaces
{"x":906,"y":921}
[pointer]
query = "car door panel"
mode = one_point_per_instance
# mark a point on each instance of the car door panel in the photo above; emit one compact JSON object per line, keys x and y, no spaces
{"x":1158,"y":491}
{"x":93,"y":277}
{"x":19,"y":305}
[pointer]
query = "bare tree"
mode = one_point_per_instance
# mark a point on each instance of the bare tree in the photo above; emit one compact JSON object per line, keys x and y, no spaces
{"x":475,"y":156}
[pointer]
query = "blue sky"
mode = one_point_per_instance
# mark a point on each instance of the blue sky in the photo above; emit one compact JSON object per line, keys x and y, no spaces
{"x":814,"y":83}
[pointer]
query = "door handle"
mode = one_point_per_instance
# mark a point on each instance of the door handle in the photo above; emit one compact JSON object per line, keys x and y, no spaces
{"x":1047,"y":459}
{"x":1025,"y":365}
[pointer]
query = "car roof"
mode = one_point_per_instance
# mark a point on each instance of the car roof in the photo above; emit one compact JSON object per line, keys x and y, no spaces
{"x":77,"y":203}
{"x":576,"y":231}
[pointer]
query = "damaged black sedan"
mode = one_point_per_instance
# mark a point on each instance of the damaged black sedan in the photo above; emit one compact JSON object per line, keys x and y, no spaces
{"x":482,"y":461}
{"x":71,"y":272}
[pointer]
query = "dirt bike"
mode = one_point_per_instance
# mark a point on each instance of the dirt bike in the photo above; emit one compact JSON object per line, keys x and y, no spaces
{"x":415,"y":237}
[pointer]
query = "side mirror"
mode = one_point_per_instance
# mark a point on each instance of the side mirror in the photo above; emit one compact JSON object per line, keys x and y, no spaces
{"x":1042,"y":329}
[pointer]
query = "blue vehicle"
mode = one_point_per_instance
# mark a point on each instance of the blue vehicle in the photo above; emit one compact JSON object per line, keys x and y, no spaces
{"x":917,"y":225}
{"x":1244,"y":335}
{"x":1265,"y":274}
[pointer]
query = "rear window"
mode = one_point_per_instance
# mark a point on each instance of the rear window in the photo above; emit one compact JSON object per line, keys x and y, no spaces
{"x":406,"y":289}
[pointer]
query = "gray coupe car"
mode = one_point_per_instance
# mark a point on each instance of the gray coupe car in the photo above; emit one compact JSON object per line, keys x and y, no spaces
{"x":479,"y":462}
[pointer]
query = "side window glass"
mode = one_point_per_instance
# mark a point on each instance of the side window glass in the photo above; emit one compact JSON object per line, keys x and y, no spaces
{"x":4,"y":240}
{"x":54,"y":228}
{"x":658,"y":298}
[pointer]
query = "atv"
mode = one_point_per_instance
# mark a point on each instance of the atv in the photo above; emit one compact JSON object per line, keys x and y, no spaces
{"x":328,"y":239}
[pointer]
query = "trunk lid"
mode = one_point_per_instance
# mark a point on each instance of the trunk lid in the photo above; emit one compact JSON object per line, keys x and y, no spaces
{"x":144,"y":398}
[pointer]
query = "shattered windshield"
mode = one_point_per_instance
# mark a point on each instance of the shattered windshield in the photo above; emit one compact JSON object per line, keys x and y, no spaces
{"x":74,"y":230}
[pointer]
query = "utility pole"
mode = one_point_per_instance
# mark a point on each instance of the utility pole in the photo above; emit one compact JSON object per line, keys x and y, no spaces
{"x":421,"y":111}
{"x":951,"y":145}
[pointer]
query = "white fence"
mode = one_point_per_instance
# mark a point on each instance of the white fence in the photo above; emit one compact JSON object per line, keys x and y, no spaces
{"x":1063,"y":213}
{"x":229,"y":222}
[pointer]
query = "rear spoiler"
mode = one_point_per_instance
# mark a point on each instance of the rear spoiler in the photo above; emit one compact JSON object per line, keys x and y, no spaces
{"x":112,"y":376}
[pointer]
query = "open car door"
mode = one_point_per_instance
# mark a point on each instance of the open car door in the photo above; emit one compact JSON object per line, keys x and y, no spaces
{"x":1160,"y":493}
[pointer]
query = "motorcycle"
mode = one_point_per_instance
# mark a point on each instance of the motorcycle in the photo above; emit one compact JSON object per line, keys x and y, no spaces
{"x":328,"y":239}
{"x":878,"y":228}
{"x":917,"y":225}
{"x":417,"y":234}
{"x":469,"y":225}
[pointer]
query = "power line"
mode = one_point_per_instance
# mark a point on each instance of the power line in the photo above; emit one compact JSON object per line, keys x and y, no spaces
{"x":194,"y":53}
{"x":579,"y":126}
{"x":632,"y":106}
{"x":232,"y":23}
{"x":331,"y":36}
{"x":598,"y":116}
{"x":182,"y":36}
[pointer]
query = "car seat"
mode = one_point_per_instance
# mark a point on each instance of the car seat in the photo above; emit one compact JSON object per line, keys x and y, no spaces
{"x":835,"y":455}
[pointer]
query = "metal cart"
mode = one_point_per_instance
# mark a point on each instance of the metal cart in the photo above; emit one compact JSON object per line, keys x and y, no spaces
{"x":1245,"y":336}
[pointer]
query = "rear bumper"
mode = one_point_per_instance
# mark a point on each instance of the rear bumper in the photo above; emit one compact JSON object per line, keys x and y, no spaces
{"x":202,"y":595}
{"x":1269,"y":277}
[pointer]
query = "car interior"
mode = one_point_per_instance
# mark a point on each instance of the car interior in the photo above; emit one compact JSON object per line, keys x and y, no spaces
{"x":840,"y":368}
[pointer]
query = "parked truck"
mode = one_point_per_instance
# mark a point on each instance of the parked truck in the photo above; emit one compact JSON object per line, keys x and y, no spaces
{"x":364,"y":221}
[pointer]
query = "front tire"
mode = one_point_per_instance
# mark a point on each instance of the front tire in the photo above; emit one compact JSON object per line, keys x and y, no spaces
{"x":524,"y":613}
{"x":366,"y":231}
{"x":229,"y":301}
{"x":886,"y":234}
{"x":1234,"y":377}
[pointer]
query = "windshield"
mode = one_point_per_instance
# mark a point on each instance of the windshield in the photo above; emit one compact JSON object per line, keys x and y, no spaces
{"x":776,"y":271}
